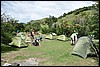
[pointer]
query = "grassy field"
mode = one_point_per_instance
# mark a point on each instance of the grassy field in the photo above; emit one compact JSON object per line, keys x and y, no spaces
{"x":50,"y":53}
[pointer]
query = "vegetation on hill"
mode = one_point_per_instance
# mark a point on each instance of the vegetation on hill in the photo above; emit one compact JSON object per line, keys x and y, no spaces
{"x":84,"y":20}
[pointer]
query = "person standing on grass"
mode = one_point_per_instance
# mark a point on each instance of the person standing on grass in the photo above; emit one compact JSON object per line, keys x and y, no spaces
{"x":32,"y":34}
{"x":74,"y":38}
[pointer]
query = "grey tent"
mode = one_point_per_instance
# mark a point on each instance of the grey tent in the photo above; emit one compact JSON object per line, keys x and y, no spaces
{"x":83,"y":47}
{"x":20,"y":40}
{"x":54,"y":34}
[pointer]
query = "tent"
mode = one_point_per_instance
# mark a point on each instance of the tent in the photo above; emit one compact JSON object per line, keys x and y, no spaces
{"x":28,"y":40}
{"x":83,"y":47}
{"x":54,"y":34}
{"x":20,"y":40}
{"x":49,"y":36}
{"x":61,"y":37}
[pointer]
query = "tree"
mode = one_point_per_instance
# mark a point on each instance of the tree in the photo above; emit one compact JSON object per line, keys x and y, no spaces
{"x":7,"y":28}
{"x":64,"y":14}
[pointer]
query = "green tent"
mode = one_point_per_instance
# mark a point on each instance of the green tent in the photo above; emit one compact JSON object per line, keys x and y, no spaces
{"x":83,"y":47}
{"x":61,"y":37}
{"x":20,"y":40}
{"x":49,"y":36}
{"x":28,"y":40}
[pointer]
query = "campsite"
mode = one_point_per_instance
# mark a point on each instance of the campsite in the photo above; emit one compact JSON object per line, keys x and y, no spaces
{"x":71,"y":39}
{"x":51,"y":53}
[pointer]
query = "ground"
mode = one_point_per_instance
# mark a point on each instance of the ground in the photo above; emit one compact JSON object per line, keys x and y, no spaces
{"x":50,"y":53}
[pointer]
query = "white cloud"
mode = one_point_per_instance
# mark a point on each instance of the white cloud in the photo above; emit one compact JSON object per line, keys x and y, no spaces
{"x":33,"y":10}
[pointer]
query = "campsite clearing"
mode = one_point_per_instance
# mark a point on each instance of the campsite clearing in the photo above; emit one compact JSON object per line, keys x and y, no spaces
{"x":51,"y":53}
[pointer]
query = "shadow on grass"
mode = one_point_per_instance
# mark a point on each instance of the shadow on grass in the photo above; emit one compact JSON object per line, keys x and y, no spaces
{"x":63,"y":40}
{"x":7,"y":48}
{"x":91,"y":55}
{"x":18,"y":47}
{"x":77,"y":55}
{"x":49,"y":39}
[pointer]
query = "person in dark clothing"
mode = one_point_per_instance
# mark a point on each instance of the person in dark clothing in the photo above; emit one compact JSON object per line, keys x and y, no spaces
{"x":32,"y":34}
{"x":36,"y":43}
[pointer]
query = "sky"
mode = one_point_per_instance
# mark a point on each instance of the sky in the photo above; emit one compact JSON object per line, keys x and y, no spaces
{"x":25,"y":11}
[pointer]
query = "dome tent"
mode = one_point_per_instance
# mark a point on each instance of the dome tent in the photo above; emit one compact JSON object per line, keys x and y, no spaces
{"x":49,"y":36}
{"x":20,"y":40}
{"x":84,"y":46}
{"x":61,"y":37}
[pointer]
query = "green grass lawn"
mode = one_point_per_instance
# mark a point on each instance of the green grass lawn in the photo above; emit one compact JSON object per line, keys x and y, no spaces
{"x":50,"y":53}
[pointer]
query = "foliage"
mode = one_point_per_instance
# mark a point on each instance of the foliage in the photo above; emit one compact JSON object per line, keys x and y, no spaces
{"x":45,"y":29}
{"x":8,"y":28}
{"x":84,"y":20}
{"x":6,"y":34}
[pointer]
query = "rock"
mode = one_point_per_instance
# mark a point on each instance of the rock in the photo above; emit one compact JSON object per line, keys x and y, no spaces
{"x":92,"y":60}
{"x":15,"y":64}
{"x":7,"y":64}
{"x":29,"y":62}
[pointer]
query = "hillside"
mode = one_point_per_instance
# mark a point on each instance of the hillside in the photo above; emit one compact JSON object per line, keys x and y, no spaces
{"x":84,"y":20}
{"x":74,"y":19}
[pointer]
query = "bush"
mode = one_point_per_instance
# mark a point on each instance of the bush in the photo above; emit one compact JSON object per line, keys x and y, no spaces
{"x":5,"y":38}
